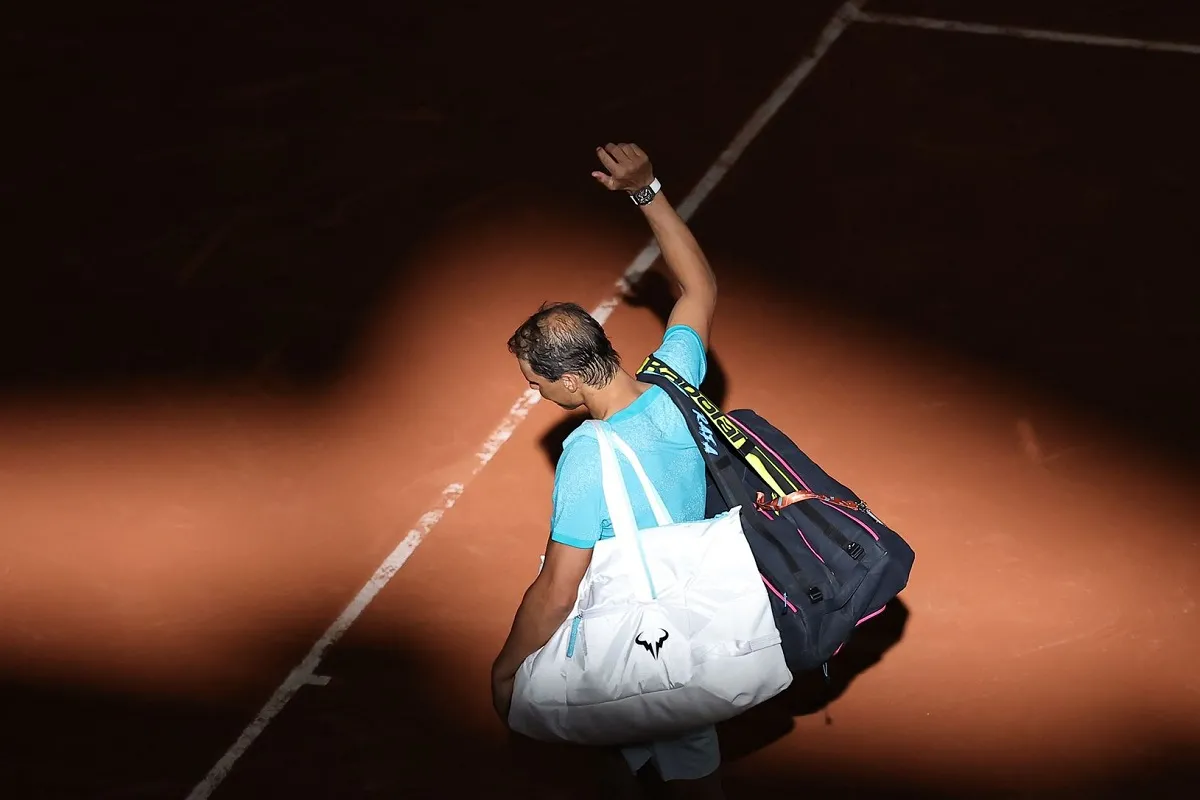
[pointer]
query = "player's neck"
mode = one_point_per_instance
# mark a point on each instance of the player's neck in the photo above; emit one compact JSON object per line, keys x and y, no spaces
{"x":620,"y":392}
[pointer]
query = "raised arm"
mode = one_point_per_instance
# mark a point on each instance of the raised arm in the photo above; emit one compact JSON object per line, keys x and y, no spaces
{"x":630,"y":170}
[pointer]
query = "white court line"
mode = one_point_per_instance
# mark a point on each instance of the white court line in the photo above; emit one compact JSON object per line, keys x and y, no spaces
{"x":305,"y":672}
{"x":1025,"y":33}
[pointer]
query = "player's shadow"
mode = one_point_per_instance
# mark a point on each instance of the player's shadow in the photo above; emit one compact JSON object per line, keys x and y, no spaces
{"x":651,"y":292}
{"x":810,"y":693}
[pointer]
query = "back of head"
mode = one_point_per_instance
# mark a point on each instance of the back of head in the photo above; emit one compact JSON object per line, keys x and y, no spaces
{"x":562,"y":338}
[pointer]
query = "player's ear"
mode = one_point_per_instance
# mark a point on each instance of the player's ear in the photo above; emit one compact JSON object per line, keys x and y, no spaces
{"x":570,"y":382}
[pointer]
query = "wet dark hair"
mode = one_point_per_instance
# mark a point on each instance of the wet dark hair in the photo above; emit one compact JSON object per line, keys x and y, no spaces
{"x":562,"y":338}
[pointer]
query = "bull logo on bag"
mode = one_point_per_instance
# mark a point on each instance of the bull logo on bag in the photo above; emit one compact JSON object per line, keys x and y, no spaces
{"x":652,"y":648}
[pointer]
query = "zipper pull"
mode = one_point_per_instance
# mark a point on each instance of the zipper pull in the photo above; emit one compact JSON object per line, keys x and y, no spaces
{"x":574,"y":635}
{"x":828,"y":692}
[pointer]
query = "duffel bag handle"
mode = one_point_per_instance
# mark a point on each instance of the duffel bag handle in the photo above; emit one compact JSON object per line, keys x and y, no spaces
{"x":797,"y":497}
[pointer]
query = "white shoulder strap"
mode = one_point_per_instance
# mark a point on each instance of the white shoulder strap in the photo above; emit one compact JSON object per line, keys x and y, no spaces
{"x":608,"y":439}
{"x":616,"y":496}
{"x":661,"y":515}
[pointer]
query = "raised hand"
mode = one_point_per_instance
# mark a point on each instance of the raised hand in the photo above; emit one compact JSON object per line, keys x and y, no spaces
{"x":629,"y":169}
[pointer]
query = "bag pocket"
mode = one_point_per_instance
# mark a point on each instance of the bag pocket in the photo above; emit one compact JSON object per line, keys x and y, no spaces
{"x":626,"y":650}
{"x":744,"y":674}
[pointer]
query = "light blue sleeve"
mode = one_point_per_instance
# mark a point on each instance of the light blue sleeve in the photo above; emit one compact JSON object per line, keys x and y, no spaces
{"x":579,"y":509}
{"x":683,"y":351}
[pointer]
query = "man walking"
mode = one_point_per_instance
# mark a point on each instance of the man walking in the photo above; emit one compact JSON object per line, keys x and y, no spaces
{"x":565,"y":354}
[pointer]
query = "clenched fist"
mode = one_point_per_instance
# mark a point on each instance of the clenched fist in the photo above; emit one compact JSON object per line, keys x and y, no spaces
{"x":629,"y":169}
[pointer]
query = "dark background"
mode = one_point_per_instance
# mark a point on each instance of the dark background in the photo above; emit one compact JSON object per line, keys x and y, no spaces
{"x":219,"y":191}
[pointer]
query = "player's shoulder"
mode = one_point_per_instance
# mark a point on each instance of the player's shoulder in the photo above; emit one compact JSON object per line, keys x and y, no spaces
{"x":683,"y":350}
{"x":580,"y":448}
{"x":683,"y":334}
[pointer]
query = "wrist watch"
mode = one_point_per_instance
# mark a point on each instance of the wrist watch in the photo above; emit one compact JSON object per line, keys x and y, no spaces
{"x":645,"y":194}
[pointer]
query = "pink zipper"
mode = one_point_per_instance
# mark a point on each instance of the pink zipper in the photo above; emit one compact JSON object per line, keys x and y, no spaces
{"x":786,"y":602}
{"x":860,"y":622}
{"x":800,"y":480}
{"x":802,"y":536}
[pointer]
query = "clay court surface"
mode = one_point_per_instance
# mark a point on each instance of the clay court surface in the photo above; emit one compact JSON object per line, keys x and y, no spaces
{"x":263,"y":263}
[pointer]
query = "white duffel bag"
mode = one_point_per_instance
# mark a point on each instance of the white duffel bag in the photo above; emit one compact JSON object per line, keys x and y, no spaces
{"x":672,"y":629}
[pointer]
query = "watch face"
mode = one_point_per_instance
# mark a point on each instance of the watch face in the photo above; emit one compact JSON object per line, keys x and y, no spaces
{"x":643,"y":195}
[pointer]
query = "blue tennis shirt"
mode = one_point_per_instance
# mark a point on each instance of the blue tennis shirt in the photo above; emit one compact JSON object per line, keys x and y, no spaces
{"x":655,"y":430}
